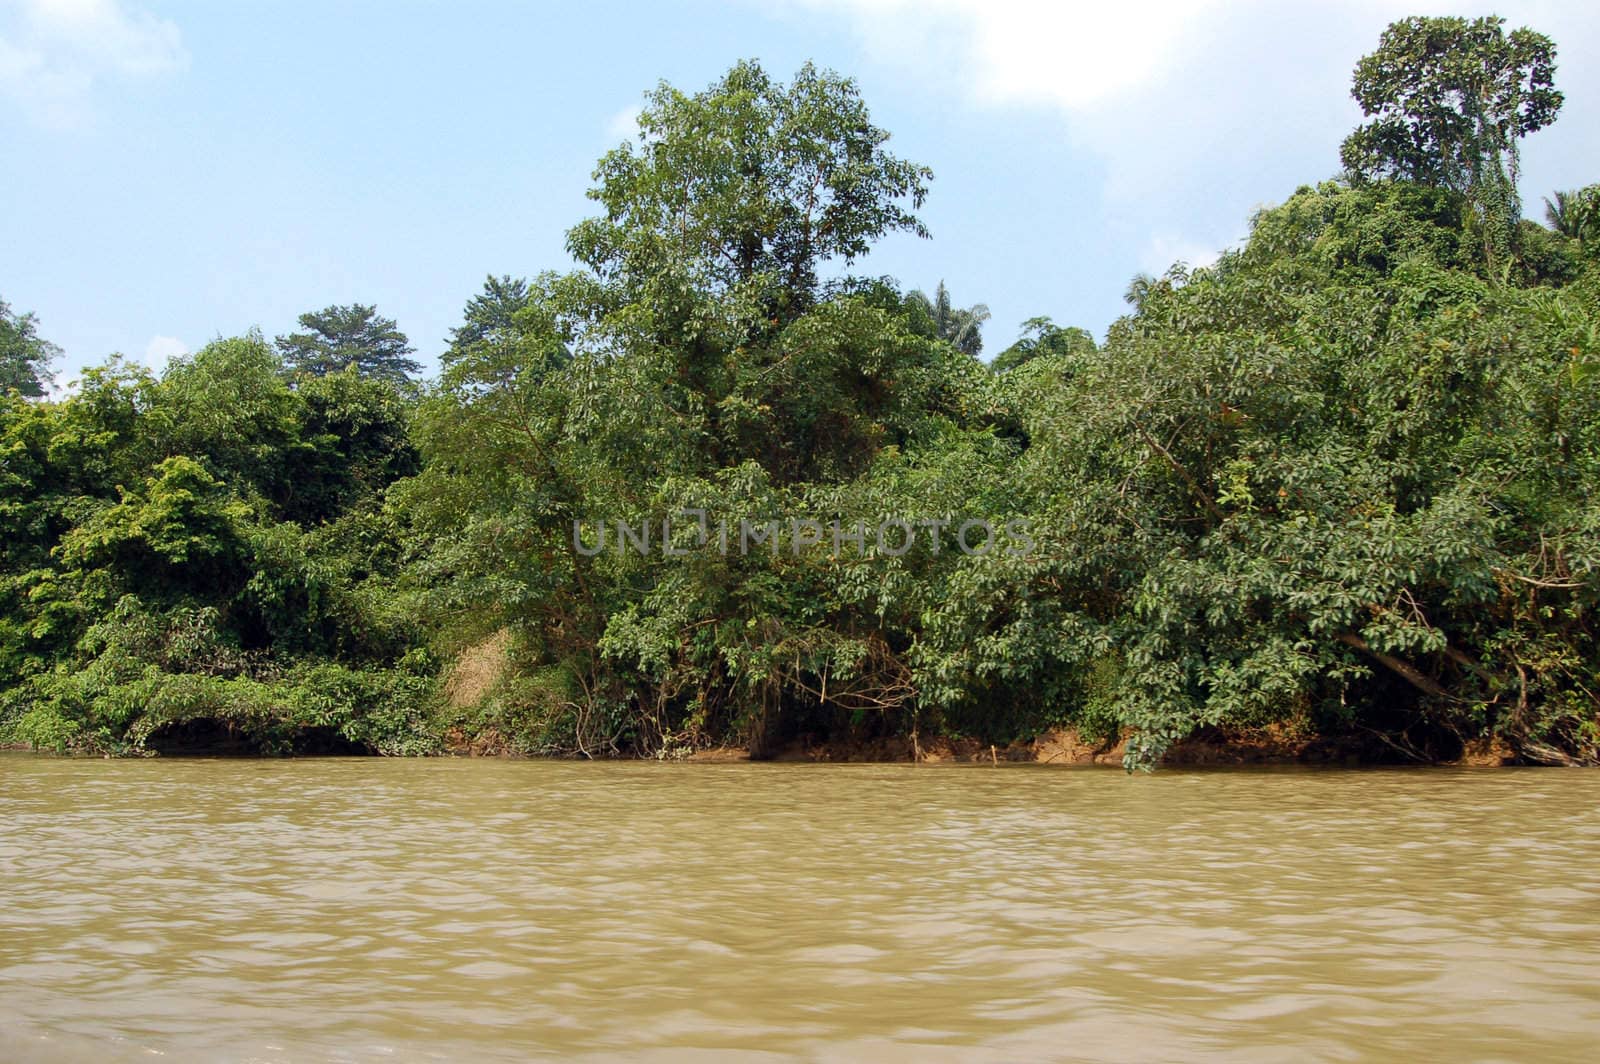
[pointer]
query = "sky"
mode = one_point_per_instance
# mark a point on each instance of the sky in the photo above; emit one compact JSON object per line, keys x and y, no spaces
{"x":172,"y":171}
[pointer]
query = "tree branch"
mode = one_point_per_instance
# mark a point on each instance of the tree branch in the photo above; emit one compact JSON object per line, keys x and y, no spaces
{"x":1404,"y":669}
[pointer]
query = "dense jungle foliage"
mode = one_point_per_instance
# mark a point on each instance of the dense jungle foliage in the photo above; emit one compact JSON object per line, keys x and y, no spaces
{"x":1339,"y":483}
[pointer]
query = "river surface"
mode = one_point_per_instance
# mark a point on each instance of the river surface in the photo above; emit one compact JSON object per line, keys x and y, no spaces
{"x":393,"y":910}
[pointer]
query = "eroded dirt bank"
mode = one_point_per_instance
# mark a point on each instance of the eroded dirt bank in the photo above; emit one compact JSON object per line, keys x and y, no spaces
{"x":1067,"y":747}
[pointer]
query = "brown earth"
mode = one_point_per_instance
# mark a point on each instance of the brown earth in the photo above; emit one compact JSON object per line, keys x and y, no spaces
{"x":1060,"y":747}
{"x":1495,"y":751}
{"x":477,"y":670}
{"x":1269,"y":746}
{"x":480,"y":667}
{"x":488,"y":743}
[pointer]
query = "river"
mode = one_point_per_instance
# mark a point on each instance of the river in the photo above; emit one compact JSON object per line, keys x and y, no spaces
{"x":453,"y":910}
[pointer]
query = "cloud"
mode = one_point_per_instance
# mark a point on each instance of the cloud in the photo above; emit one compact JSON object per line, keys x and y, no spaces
{"x":1073,"y":56}
{"x":1195,"y":112}
{"x":1129,"y":77}
{"x":1170,"y":96}
{"x":54,"y":53}
{"x":624,"y":125}
{"x":161,"y":350}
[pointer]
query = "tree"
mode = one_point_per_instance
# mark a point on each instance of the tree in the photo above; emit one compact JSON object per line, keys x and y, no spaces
{"x":939,"y":318}
{"x":210,"y":546}
{"x":1042,"y":337}
{"x":490,"y":315}
{"x":1139,"y":289}
{"x":1575,"y":215}
{"x":751,"y":184}
{"x":698,"y":361}
{"x":24,"y":357}
{"x":1449,"y":99}
{"x":354,"y":335}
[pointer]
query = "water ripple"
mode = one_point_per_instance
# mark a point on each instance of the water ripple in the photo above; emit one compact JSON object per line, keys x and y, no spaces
{"x":364,"y":910}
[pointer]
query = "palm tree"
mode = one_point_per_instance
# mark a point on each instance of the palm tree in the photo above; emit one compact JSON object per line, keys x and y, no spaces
{"x":961,"y":327}
{"x":1562,"y":214}
{"x":1575,"y":215}
{"x":1139,"y":290}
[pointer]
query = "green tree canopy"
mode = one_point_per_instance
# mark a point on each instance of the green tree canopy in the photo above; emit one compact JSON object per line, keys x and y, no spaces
{"x":940,"y":318}
{"x":751,"y":183}
{"x":1336,"y":487}
{"x":1449,"y":99}
{"x":24,"y":356}
{"x":1042,"y":337}
{"x":490,"y":316}
{"x":1575,"y":215}
{"x":355,"y":335}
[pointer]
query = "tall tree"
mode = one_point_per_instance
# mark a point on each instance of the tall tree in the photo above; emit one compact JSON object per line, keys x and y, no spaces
{"x":1139,"y":289}
{"x":1449,"y":99}
{"x":490,"y":315}
{"x":749,"y":185}
{"x":24,"y":356}
{"x":355,"y":335}
{"x":698,"y":361}
{"x":942,"y":319}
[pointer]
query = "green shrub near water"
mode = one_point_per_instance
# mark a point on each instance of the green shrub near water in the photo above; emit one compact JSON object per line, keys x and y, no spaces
{"x":209,"y":547}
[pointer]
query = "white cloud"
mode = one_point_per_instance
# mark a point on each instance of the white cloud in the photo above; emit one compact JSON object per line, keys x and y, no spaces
{"x":53,"y":53}
{"x":1166,"y":94}
{"x":1068,"y":55}
{"x":161,"y":350}
{"x":1195,"y":111}
{"x":624,"y":125}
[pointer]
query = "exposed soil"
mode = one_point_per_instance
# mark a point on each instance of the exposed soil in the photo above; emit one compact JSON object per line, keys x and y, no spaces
{"x":481,"y":667}
{"x":488,"y":743}
{"x":1270,"y":746}
{"x":477,"y":670}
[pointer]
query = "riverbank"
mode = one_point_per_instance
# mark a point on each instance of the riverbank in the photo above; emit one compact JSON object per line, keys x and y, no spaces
{"x":212,"y":737}
{"x":1067,"y":747}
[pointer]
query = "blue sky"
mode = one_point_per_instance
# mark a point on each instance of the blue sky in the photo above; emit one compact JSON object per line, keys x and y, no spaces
{"x":173,"y":171}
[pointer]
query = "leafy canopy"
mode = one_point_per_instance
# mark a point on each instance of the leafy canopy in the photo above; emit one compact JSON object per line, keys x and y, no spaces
{"x":1338,"y":485}
{"x":356,"y":335}
{"x":1042,"y":337}
{"x":751,"y":182}
{"x":939,"y":317}
{"x":1575,"y":215}
{"x":24,"y":356}
{"x":1449,"y":99}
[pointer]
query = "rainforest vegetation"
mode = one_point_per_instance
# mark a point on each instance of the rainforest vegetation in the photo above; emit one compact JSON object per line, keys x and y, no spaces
{"x":1340,"y":483}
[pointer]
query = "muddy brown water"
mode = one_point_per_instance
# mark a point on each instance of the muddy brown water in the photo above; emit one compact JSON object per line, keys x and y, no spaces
{"x":386,"y":910}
